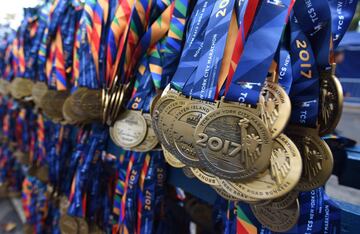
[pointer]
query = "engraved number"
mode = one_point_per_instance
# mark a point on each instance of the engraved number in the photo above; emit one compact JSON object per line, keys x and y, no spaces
{"x":217,"y":144}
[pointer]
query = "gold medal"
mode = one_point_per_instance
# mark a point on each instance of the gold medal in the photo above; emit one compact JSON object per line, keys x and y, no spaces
{"x":282,"y":176}
{"x":219,"y":190}
{"x":204,"y":176}
{"x":171,"y":160}
{"x":166,"y":120}
{"x":21,"y":87}
{"x":90,"y":104}
{"x":150,"y":141}
{"x":331,"y":102}
{"x":275,"y":108}
{"x":68,"y":224}
{"x":277,"y":220}
{"x":284,"y":201}
{"x":39,"y":89}
{"x":233,"y":143}
{"x":82,"y":225}
{"x":158,"y":108}
{"x":231,"y":189}
{"x":129,"y":130}
{"x":52,"y":104}
{"x":4,"y":87}
{"x":186,"y":120}
{"x":316,"y":156}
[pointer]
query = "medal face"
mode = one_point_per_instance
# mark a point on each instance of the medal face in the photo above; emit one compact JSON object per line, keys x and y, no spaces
{"x":233,"y":144}
{"x":204,"y":176}
{"x":282,"y":176}
{"x":38,"y":91}
{"x":166,"y":120}
{"x":91,"y":104}
{"x":129,"y":130}
{"x":277,"y":220}
{"x":275,"y":109}
{"x":21,"y":88}
{"x":331,"y":104}
{"x":68,"y":224}
{"x":150,"y":141}
{"x":159,"y":107}
{"x":224,"y":194}
{"x":284,"y":201}
{"x":231,"y":189}
{"x":186,"y":120}
{"x":171,"y":160}
{"x":316,"y":156}
{"x":4,"y":87}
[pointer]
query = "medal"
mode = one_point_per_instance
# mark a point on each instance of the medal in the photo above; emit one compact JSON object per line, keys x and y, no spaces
{"x":331,"y":102}
{"x":171,"y":160}
{"x":204,"y":176}
{"x":4,"y":87}
{"x":224,"y":194}
{"x":129,"y":130}
{"x":316,"y":156}
{"x":231,"y":189}
{"x":188,"y":173}
{"x":38,"y":91}
{"x":21,"y":87}
{"x":68,"y":224}
{"x":284,"y":201}
{"x":277,"y":220}
{"x":276,"y":107}
{"x":150,"y":141}
{"x":82,"y":225}
{"x":233,"y":143}
{"x":186,"y":120}
{"x":282,"y":176}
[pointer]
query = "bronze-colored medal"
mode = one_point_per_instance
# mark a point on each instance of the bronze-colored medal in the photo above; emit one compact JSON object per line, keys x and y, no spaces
{"x":275,"y":108}
{"x":231,"y":189}
{"x":277,"y":220}
{"x":172,"y":160}
{"x":316,"y":156}
{"x":69,"y":115}
{"x":186,"y":120}
{"x":68,"y":224}
{"x":284,"y":201}
{"x":282,"y":176}
{"x":42,"y":173}
{"x":39,"y":89}
{"x":331,"y":102}
{"x":95,"y":229}
{"x":91,"y":104}
{"x":233,"y":143}
{"x":158,"y":108}
{"x":166,"y":120}
{"x":52,"y":104}
{"x":64,"y":205}
{"x":129,"y":130}
{"x":82,"y":225}
{"x":219,"y":190}
{"x":4,"y":87}
{"x":150,"y":141}
{"x":21,"y":87}
{"x":204,"y":176}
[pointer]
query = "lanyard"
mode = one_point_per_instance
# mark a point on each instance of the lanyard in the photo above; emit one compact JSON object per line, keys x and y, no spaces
{"x":304,"y":92}
{"x":256,"y":58}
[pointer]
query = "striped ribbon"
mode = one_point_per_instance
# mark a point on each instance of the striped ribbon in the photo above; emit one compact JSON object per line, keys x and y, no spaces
{"x":155,"y":65}
{"x":243,"y":223}
{"x":40,"y":132}
{"x":58,"y":78}
{"x":116,"y":38}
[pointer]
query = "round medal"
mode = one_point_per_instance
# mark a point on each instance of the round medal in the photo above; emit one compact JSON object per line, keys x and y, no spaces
{"x":204,"y":176}
{"x":82,"y":225}
{"x":219,"y":190}
{"x":316,"y":156}
{"x":91,"y":104}
{"x":282,"y":176}
{"x":129,"y":130}
{"x":186,"y":120}
{"x":150,"y":141}
{"x":275,"y":108}
{"x":165,"y":123}
{"x":284,"y":201}
{"x":4,"y":87}
{"x":231,"y":189}
{"x":68,"y":225}
{"x":331,"y":104}
{"x":277,"y":220}
{"x":21,"y":87}
{"x":39,"y":89}
{"x":171,"y":160}
{"x":233,"y":143}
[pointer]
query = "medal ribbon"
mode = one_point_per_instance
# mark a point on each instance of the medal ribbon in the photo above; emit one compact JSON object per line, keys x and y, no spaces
{"x":304,"y":93}
{"x":255,"y":60}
